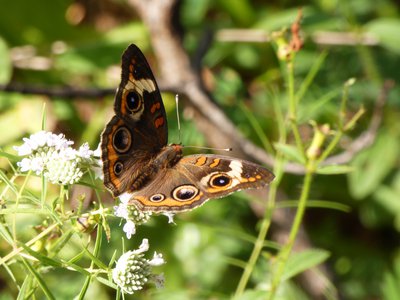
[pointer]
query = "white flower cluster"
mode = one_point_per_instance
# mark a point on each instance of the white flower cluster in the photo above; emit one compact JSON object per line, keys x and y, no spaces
{"x":131,"y":214}
{"x":51,"y":155}
{"x":133,"y":271}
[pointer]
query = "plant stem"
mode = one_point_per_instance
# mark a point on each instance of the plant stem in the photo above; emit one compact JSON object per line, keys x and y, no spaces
{"x":96,"y":250}
{"x":266,"y":222}
{"x":293,"y":102}
{"x":285,"y":252}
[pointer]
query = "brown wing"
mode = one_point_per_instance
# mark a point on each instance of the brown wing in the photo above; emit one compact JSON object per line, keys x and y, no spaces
{"x":197,"y":178}
{"x":139,"y":129}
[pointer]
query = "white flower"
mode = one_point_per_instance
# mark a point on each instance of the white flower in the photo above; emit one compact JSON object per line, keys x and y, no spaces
{"x":170,"y":216}
{"x":42,"y":139}
{"x":121,"y":211}
{"x":129,"y":228}
{"x":133,"y":271}
{"x":97,"y":152}
{"x":125,"y":197}
{"x":131,"y":214}
{"x":51,"y":155}
{"x":157,"y":260}
{"x":85,"y":152}
{"x":144,"y":247}
{"x":24,"y":149}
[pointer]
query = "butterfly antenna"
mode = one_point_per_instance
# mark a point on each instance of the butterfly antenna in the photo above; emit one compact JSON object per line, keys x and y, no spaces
{"x":209,"y":148}
{"x":177,"y":117}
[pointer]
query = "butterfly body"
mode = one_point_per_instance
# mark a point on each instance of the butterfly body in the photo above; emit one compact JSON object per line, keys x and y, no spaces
{"x":139,"y":165}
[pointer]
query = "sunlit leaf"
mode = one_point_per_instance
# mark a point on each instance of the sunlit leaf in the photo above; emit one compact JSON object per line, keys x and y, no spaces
{"x":301,"y":261}
{"x":5,"y":62}
{"x":291,"y":152}
{"x":334,"y":169}
{"x":372,"y":165}
{"x":387,"y":30}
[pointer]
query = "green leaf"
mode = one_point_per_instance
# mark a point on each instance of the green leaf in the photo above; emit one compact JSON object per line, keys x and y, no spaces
{"x":334,"y":169}
{"x":42,"y":258}
{"x":133,"y":31}
{"x":25,"y":291}
{"x":106,"y":282}
{"x":388,"y":197}
{"x":373,"y":165}
{"x":390,"y":284}
{"x":254,"y":295}
{"x":23,"y":210}
{"x":315,"y":203}
{"x":5,"y":62}
{"x":5,"y":179}
{"x":301,"y":261}
{"x":194,"y":11}
{"x":54,"y":262}
{"x":241,"y":11}
{"x":387,"y":31}
{"x":39,"y":279}
{"x":9,"y":156}
{"x":281,"y":19}
{"x":94,"y":259}
{"x":291,"y":152}
{"x":5,"y":234}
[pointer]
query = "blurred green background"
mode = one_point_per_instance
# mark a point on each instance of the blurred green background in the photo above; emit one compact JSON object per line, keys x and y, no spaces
{"x":78,"y":44}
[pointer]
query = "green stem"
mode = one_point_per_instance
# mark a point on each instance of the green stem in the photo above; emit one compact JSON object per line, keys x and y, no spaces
{"x":96,"y":250}
{"x":266,"y":222}
{"x":285,"y":252}
{"x":62,"y":194}
{"x":293,"y":108}
{"x":19,"y":195}
{"x":330,"y":147}
{"x":292,"y":99}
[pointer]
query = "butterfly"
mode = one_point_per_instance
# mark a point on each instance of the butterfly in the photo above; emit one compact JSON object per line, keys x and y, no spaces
{"x":140,"y":166}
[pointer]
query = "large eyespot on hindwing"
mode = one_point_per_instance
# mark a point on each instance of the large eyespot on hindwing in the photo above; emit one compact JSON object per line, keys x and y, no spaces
{"x":185,"y":192}
{"x":122,"y":140}
{"x":220,"y":180}
{"x":157,"y":198}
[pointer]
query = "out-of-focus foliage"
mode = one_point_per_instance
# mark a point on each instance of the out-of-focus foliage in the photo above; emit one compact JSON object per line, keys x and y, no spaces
{"x":78,"y":44}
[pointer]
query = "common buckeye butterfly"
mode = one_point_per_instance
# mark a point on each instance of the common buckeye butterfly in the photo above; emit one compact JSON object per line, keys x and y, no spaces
{"x":138,"y":163}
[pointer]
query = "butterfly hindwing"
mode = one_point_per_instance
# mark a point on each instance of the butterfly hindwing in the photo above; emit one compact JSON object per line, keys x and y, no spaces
{"x":197,"y":178}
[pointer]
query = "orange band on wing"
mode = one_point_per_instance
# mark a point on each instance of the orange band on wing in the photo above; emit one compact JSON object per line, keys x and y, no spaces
{"x":168,"y":202}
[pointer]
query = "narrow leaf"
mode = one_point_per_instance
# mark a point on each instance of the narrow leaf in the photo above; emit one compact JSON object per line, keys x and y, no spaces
{"x":39,"y":279}
{"x":301,"y":261}
{"x":291,"y":152}
{"x":334,"y":169}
